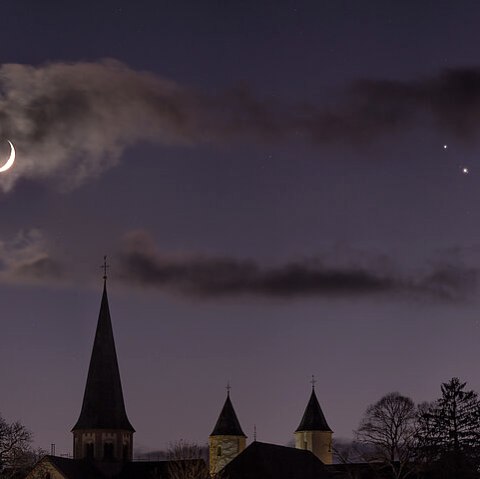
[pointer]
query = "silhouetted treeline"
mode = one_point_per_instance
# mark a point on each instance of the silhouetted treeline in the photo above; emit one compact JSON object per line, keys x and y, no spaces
{"x":437,"y":440}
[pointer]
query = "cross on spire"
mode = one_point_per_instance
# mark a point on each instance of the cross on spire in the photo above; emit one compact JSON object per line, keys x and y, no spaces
{"x":228,"y":388}
{"x":105,"y":267}
{"x":312,"y":382}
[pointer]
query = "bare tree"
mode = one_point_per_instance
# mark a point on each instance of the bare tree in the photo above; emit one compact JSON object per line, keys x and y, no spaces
{"x":186,"y":461}
{"x":345,"y":452}
{"x":16,"y":455}
{"x":388,"y":428}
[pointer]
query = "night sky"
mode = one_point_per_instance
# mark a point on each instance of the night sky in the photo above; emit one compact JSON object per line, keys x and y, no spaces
{"x":279,"y":187}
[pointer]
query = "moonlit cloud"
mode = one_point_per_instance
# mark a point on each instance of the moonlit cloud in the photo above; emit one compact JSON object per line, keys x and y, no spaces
{"x":26,"y":258}
{"x":71,"y":122}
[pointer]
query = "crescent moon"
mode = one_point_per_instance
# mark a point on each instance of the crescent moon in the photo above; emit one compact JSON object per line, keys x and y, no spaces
{"x":10,"y":160}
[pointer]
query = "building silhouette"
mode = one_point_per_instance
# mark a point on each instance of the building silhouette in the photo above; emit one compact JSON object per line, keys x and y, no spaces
{"x":313,"y":433}
{"x":227,"y":439}
{"x":103,"y":436}
{"x":103,"y":431}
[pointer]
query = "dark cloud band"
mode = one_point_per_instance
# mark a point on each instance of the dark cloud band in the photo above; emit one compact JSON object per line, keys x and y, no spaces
{"x":227,"y":277}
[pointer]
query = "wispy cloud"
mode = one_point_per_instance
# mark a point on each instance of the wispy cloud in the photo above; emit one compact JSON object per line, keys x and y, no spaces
{"x":209,"y":277}
{"x":26,"y":258}
{"x":29,"y":258}
{"x":71,"y":122}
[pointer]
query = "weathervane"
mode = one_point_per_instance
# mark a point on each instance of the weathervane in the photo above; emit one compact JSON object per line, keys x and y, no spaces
{"x":105,"y":267}
{"x":312,"y":382}
{"x":228,"y":388}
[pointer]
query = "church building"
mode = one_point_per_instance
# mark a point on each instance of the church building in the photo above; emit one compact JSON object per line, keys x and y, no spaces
{"x":227,"y":440}
{"x":103,"y":431}
{"x":313,"y":433}
{"x":103,"y":435}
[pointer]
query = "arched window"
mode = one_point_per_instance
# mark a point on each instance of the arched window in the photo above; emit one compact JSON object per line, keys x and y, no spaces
{"x":108,"y":451}
{"x":125,"y":452}
{"x":89,"y":450}
{"x":219,"y":450}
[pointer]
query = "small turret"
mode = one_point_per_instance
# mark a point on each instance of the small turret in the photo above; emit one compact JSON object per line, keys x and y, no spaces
{"x":313,"y":433}
{"x":227,"y":440}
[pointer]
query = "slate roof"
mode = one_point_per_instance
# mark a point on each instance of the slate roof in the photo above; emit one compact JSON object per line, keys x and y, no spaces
{"x":163,"y":469}
{"x":363,"y":470}
{"x":227,"y":423}
{"x":268,"y":461}
{"x":83,"y":469}
{"x":258,"y":461}
{"x":313,"y":418}
{"x":103,"y":406}
{"x":74,"y":469}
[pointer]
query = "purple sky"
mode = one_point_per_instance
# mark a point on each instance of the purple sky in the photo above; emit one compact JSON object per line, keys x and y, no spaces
{"x":271,"y":186}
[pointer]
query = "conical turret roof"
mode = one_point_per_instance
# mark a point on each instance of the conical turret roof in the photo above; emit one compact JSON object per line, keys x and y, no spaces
{"x":313,"y":418}
{"x":103,"y":406}
{"x":227,"y":423}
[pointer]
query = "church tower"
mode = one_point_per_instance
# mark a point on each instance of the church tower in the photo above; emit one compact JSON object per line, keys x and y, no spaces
{"x":227,"y":439}
{"x":103,"y":431}
{"x":313,"y":433}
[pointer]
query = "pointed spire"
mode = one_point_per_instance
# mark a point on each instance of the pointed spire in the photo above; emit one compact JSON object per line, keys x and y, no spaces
{"x":313,"y":418}
{"x":103,"y":406}
{"x":227,"y":423}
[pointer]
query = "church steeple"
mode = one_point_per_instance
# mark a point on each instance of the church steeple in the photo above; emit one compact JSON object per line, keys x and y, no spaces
{"x":313,"y":418}
{"x":313,"y":432}
{"x":227,"y":439}
{"x":103,"y":430}
{"x":227,"y":423}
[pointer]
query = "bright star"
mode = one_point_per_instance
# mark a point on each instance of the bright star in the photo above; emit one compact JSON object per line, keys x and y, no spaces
{"x":445,"y":147}
{"x":465,"y":171}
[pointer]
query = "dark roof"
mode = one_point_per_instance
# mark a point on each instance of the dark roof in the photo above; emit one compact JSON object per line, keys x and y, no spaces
{"x":227,"y":423}
{"x":313,"y":418}
{"x":83,"y":469}
{"x":363,"y":470}
{"x":269,"y":461}
{"x":74,"y":468}
{"x":144,"y":469}
{"x":103,"y":406}
{"x":164,"y":469}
